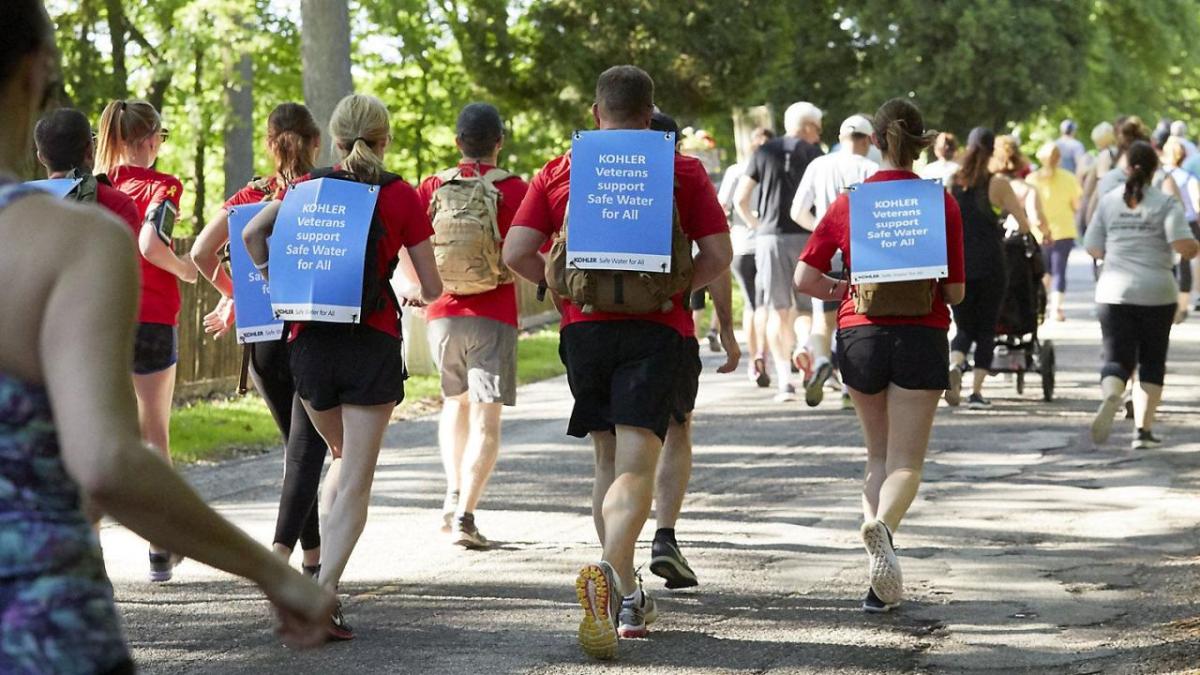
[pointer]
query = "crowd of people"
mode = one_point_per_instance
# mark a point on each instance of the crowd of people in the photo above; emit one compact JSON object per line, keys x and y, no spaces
{"x":83,"y":436}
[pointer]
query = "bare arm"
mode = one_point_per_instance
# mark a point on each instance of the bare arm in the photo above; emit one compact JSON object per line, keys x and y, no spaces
{"x":160,"y":255}
{"x":812,"y":281}
{"x":521,"y":253}
{"x":1186,"y":248}
{"x":801,"y":211}
{"x":954,"y":293}
{"x":721,"y":291}
{"x":256,"y":232}
{"x":1000,"y":193}
{"x":206,"y":250}
{"x":96,"y":415}
{"x":1043,"y":224}
{"x":741,"y":201}
{"x":716,"y":252}
{"x":424,"y":266}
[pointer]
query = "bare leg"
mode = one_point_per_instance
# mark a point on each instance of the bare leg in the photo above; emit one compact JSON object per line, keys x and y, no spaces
{"x":362,"y":436}
{"x":605,"y":445}
{"x":980,"y":375}
{"x":627,"y":502}
{"x":910,"y":422}
{"x":872,"y":412}
{"x":453,"y":429}
{"x":674,"y":472}
{"x":479,"y":458}
{"x":1146,"y":398}
{"x":781,"y":338}
{"x":155,"y":393}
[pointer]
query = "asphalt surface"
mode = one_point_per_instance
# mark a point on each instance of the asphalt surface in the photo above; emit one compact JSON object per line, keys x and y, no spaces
{"x":1028,"y":550}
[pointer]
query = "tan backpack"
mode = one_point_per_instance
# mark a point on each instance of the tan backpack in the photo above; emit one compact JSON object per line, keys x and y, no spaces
{"x":620,"y":291}
{"x":894,"y":298}
{"x":466,"y":232}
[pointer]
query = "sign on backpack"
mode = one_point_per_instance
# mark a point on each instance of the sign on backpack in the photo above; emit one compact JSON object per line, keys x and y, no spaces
{"x":254,"y":317}
{"x":318,"y":250}
{"x":898,"y":231}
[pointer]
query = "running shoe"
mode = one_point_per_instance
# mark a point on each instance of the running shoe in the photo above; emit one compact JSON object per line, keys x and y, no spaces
{"x":313,"y":571}
{"x":847,"y":402}
{"x":786,"y":394}
{"x":162,"y":566}
{"x":449,"y":507}
{"x":668,"y":562}
{"x":1103,"y":422}
{"x":978,"y":402}
{"x":873,"y":605}
{"x":637,"y":612}
{"x":954,"y":391}
{"x":596,"y":588}
{"x":714,"y":341}
{"x":814,"y":387}
{"x":886,"y":579}
{"x":1145,"y":440}
{"x":759,"y":375}
{"x":467,"y":535}
{"x":339,"y":630}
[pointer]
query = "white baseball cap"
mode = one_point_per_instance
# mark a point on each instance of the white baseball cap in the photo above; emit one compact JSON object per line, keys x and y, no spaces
{"x":856,"y":124}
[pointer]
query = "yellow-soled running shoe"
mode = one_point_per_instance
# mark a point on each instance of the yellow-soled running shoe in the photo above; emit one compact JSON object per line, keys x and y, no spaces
{"x":597,"y":591}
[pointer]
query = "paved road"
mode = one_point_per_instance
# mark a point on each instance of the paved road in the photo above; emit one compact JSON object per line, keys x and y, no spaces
{"x":1027,"y":550}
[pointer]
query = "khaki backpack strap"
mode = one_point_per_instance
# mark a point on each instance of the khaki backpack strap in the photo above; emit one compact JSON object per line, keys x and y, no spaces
{"x":449,"y":174}
{"x":494,"y":176}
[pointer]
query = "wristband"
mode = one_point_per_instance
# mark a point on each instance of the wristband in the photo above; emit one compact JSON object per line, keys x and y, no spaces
{"x":262,"y":266}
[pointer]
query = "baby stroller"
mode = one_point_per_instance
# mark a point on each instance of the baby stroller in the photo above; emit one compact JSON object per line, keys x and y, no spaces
{"x":1018,"y":349}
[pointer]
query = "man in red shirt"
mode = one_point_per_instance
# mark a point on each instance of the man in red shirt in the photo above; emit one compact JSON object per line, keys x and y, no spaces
{"x":65,"y":148}
{"x":622,"y":368}
{"x":472,"y":333}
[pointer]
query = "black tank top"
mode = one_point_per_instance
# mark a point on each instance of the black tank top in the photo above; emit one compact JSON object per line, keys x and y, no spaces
{"x":983,"y":233}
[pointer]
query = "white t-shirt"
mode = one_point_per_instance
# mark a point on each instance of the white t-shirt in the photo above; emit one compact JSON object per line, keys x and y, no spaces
{"x":1138,"y":257}
{"x":941,"y":169}
{"x":741,"y":236}
{"x":827,"y":177}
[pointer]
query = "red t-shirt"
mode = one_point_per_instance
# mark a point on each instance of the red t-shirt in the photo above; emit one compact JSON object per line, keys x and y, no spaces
{"x":700,"y":215}
{"x":251,"y":194}
{"x":160,"y":288}
{"x":833,"y":234}
{"x":119,"y":203}
{"x":500,"y":303}
{"x":405,"y":224}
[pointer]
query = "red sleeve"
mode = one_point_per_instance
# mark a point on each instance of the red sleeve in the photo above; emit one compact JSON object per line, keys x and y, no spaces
{"x":169,"y":189}
{"x":535,"y":207}
{"x":402,"y":204}
{"x":829,"y":236}
{"x":700,"y":213}
{"x":512,"y":193}
{"x":954,"y":242}
{"x":426,"y":189}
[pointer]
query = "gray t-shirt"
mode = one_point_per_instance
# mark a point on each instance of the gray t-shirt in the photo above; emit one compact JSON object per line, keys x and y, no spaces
{"x":1137,"y":247}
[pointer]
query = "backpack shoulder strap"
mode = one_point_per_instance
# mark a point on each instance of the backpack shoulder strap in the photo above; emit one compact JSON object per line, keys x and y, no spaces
{"x":387,"y":178}
{"x":495,"y":175}
{"x":448,"y":175}
{"x":103,"y":179}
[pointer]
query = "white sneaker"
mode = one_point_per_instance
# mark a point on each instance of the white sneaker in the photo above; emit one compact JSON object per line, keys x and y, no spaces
{"x":886,"y":579}
{"x":1103,"y":422}
{"x":954,"y":391}
{"x":786,"y":395}
{"x":814,"y":387}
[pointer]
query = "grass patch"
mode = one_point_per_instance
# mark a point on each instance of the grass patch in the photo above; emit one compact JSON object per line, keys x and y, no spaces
{"x":209,"y":430}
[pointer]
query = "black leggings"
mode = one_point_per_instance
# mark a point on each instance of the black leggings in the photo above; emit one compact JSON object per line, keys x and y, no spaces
{"x":1136,"y":336}
{"x":976,"y":316}
{"x":304,"y":449}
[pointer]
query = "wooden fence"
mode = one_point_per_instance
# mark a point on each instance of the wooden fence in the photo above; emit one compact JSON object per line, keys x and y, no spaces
{"x":208,"y":366}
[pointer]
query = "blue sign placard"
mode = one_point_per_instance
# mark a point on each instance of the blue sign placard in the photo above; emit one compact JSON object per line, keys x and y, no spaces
{"x":621,"y":200}
{"x":255,"y":319}
{"x":898,"y":231}
{"x":59,"y":187}
{"x":317,"y":250}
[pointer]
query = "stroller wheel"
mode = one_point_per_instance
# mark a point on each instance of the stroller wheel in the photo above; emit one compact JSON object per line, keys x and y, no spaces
{"x":1047,"y":370}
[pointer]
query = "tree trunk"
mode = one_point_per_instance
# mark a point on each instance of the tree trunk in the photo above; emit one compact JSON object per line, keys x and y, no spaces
{"x":117,"y":33}
{"x":325,"y":58}
{"x":201,"y":142}
{"x":239,"y":125}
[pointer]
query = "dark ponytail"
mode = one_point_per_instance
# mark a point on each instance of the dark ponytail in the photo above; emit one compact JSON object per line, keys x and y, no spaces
{"x":975,"y":170}
{"x":293,"y":139}
{"x":1143,"y":162}
{"x":900,"y":132}
{"x":26,"y":29}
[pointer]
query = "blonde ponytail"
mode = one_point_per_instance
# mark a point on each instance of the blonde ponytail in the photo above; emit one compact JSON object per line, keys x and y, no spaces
{"x":123,"y":123}
{"x":358,"y":124}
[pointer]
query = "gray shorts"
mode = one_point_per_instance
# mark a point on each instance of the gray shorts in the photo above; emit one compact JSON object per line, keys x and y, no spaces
{"x":776,"y":256}
{"x":475,"y":356}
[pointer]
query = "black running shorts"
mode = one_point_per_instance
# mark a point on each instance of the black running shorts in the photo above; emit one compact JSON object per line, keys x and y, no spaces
{"x":911,"y":357}
{"x":155,"y":348}
{"x":687,"y":380}
{"x":620,"y":372}
{"x":345,"y":364}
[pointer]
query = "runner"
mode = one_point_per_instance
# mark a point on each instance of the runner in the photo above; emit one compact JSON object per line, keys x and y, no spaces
{"x":293,"y":141}
{"x":1105,"y":140}
{"x":895,"y":366}
{"x":66,"y":150}
{"x":473,"y":327}
{"x":1071,"y":151}
{"x":621,"y":368}
{"x":945,"y":146}
{"x":68,"y":416}
{"x":775,"y":169}
{"x":351,"y":376}
{"x":1188,"y":184}
{"x":1179,"y":129}
{"x":130,"y":137}
{"x":754,"y":313}
{"x":980,"y":193}
{"x":1059,"y":194}
{"x":1137,"y":231}
{"x":827,"y":177}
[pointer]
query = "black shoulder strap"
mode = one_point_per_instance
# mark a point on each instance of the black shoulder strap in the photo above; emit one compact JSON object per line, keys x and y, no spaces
{"x":103,"y":179}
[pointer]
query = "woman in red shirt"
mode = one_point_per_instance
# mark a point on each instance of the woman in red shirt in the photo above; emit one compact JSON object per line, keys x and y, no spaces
{"x":349,"y":376}
{"x":293,"y":141}
{"x":896,"y":366}
{"x":130,"y":137}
